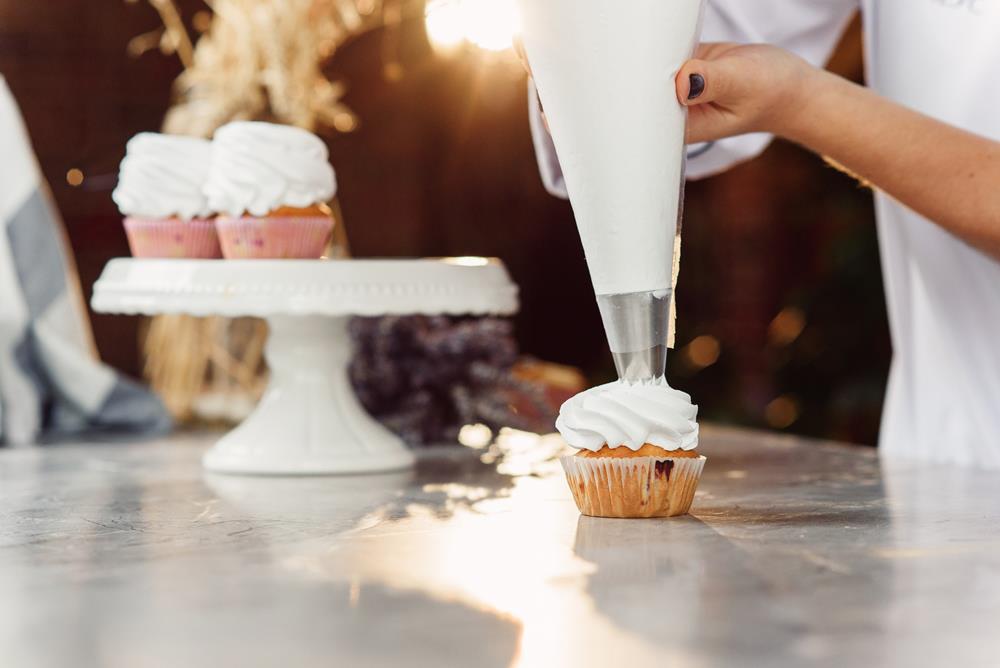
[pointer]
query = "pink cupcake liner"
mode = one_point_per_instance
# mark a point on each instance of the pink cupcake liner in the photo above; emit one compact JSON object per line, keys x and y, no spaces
{"x":274,"y":238}
{"x":172,"y":238}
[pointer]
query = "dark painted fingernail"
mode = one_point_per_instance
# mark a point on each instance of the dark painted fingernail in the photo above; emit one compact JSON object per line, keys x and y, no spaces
{"x":697,"y":86}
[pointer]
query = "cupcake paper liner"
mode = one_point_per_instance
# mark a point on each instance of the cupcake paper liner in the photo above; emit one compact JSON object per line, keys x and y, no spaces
{"x":172,"y":238}
{"x":633,"y":487}
{"x":274,"y":237}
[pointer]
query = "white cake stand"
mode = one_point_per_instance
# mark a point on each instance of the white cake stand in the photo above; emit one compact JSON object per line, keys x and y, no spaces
{"x":309,"y":421}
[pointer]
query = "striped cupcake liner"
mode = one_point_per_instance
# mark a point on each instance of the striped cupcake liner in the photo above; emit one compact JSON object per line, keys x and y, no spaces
{"x":633,"y":487}
{"x":274,"y":237}
{"x":172,"y":238}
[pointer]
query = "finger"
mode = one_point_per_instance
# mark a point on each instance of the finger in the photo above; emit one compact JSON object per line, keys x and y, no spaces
{"x":706,"y":124}
{"x":702,"y":82}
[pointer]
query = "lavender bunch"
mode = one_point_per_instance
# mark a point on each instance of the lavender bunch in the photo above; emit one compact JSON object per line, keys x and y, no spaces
{"x":425,"y":377}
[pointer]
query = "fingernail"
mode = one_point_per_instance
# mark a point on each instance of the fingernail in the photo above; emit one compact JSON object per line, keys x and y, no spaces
{"x":697,"y":86}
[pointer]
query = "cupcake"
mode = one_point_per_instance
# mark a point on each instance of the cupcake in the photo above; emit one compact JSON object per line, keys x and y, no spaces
{"x":637,"y":450}
{"x":270,"y":184}
{"x":160,"y":194}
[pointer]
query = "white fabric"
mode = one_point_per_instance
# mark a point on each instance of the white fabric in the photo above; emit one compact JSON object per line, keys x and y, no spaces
{"x":62,"y":351}
{"x":20,"y":411}
{"x":18,"y":171}
{"x":942,"y":58}
{"x":545,"y":148}
{"x":50,"y":380}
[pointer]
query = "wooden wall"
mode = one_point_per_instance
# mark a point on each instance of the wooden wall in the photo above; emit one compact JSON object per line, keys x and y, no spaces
{"x":442,"y":165}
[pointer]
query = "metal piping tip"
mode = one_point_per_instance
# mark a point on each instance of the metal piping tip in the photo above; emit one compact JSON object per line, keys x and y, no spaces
{"x":637,"y":325}
{"x":642,"y":366}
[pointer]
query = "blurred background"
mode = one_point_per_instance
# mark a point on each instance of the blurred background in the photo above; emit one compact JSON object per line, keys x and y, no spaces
{"x":781,"y":317}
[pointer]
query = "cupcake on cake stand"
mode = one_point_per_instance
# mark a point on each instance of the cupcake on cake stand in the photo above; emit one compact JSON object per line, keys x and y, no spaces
{"x":269,"y":184}
{"x":309,"y":421}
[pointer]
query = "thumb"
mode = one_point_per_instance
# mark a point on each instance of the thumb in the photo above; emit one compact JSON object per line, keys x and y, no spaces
{"x":703,"y":82}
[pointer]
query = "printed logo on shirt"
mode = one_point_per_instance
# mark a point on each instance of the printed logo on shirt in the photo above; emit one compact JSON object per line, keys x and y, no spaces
{"x":972,"y":7}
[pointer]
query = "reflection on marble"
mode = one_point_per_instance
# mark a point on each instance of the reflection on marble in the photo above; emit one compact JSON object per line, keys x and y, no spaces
{"x":796,"y":554}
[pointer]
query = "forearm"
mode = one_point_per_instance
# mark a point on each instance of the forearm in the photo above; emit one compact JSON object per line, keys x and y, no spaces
{"x":946,"y":174}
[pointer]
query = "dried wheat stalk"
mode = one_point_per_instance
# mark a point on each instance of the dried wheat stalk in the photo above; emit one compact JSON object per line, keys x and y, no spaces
{"x":258,"y":60}
{"x":262,"y":59}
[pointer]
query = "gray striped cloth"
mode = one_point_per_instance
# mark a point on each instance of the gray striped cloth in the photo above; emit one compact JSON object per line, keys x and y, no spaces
{"x":52,"y":384}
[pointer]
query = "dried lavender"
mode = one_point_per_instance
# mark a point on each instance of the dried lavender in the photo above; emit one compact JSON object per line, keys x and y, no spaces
{"x":425,"y":377}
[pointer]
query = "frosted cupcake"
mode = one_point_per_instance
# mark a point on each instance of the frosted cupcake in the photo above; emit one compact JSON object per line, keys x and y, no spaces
{"x":637,"y":448}
{"x":160,"y":194}
{"x":270,"y":185}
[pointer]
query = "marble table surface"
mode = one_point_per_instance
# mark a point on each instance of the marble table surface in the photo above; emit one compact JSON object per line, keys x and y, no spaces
{"x":797,"y":554}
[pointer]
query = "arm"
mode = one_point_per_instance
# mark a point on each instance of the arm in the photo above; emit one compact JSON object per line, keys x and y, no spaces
{"x":946,"y":174}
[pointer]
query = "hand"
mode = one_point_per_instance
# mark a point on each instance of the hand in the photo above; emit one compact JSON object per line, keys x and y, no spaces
{"x":745,"y":88}
{"x":733,"y":89}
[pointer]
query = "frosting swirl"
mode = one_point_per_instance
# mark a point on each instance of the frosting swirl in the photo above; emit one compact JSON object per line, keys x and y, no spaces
{"x":259,"y":167}
{"x":162,"y":177}
{"x":625,"y":415}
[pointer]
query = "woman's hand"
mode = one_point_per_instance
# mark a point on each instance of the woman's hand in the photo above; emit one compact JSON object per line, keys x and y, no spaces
{"x":733,"y":89}
{"x":942,"y":172}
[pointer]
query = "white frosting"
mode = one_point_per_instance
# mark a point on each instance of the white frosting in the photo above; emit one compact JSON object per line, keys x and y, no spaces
{"x":623,"y":415}
{"x":605,"y":74}
{"x":259,"y":167}
{"x":162,"y":176}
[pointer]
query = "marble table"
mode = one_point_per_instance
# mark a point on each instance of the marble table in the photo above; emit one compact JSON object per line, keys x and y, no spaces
{"x":797,"y":554}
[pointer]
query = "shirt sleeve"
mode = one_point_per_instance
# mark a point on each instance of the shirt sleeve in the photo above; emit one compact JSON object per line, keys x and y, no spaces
{"x":545,"y":148}
{"x":809,"y":28}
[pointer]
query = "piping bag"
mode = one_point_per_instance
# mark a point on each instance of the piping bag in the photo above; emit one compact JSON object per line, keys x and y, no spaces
{"x":605,"y":73}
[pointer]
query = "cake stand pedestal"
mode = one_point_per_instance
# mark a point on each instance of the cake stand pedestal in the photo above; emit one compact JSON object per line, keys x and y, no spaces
{"x":309,"y":422}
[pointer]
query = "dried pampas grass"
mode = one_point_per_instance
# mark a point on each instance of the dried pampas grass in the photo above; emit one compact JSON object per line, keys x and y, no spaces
{"x":263,"y":60}
{"x":255,"y":60}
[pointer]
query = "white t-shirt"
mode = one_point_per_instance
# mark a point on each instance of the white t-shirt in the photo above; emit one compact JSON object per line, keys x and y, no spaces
{"x":940,"y":57}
